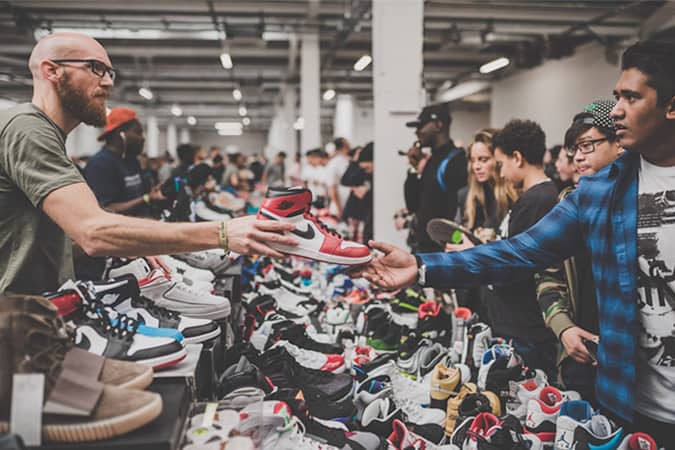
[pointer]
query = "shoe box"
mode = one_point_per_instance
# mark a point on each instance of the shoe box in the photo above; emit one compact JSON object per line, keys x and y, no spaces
{"x":164,"y":433}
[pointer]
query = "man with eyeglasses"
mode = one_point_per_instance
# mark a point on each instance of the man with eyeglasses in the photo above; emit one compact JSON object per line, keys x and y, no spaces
{"x":624,"y":216}
{"x":567,"y":295}
{"x":45,"y":202}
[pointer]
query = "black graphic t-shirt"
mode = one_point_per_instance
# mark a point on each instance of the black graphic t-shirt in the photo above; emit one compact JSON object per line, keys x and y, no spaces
{"x":656,"y":292}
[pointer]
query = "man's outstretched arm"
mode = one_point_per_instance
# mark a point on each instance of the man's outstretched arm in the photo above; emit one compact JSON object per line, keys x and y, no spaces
{"x":555,"y":237}
{"x":100,"y":233}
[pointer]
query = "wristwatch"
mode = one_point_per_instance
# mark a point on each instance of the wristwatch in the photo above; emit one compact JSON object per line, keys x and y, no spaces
{"x":421,"y":271}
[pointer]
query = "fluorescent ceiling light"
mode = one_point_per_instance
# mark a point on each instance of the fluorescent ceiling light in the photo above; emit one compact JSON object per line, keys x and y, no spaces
{"x":176,"y":110}
{"x":275,"y":36}
{"x":496,"y":64}
{"x":228,"y":125}
{"x":231,"y":132}
{"x":126,"y":33}
{"x":362,"y":63}
{"x":299,"y":124}
{"x":243,"y":111}
{"x":462,"y":90}
{"x":145,"y":93}
{"x":329,"y":95}
{"x":226,"y":60}
{"x":236,"y":94}
{"x":192,"y":120}
{"x":246,"y":121}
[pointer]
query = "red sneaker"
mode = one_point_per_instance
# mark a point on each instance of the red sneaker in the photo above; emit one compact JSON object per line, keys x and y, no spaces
{"x":316,"y":241}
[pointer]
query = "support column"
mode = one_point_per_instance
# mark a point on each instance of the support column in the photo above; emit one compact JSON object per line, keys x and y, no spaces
{"x":398,"y":94}
{"x":343,"y":123}
{"x":171,"y":139}
{"x":152,"y":138}
{"x":281,"y":135}
{"x":310,"y":91}
{"x":184,"y":136}
{"x":82,"y":141}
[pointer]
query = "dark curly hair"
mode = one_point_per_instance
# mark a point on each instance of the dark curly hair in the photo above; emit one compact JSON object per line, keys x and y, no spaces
{"x":525,"y":136}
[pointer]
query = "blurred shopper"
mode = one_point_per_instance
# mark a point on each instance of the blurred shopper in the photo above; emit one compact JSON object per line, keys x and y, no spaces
{"x":433,"y":182}
{"x":236,"y":163}
{"x":314,"y":176}
{"x":187,"y":155}
{"x":567,"y":173}
{"x":165,"y":167}
{"x":217,"y":166}
{"x":336,"y":167}
{"x":114,"y":174}
{"x":275,"y":174}
{"x":358,"y":211}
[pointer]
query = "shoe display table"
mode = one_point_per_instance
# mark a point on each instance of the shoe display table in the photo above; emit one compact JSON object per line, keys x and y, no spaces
{"x":164,"y":433}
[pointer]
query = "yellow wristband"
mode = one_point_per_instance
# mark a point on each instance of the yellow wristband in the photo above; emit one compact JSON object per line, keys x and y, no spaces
{"x":222,"y":236}
{"x":146,"y":198}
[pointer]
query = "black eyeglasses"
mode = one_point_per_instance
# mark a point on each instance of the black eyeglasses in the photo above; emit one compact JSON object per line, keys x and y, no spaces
{"x":97,"y":67}
{"x":585,"y":147}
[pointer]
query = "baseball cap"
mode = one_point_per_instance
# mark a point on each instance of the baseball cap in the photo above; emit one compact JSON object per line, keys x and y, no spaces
{"x":117,"y":118}
{"x":438,"y":111}
{"x":597,"y":114}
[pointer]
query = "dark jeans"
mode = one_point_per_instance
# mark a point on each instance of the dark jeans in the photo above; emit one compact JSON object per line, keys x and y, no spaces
{"x":579,"y":377}
{"x":538,"y":355}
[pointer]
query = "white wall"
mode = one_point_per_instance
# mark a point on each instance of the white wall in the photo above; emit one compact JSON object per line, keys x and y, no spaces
{"x":554,"y":92}
{"x":466,"y":123}
{"x":364,"y":127}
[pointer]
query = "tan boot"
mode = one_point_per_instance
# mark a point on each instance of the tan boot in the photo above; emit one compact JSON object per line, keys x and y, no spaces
{"x":453,"y":405}
{"x":77,"y":408}
{"x":108,"y":371}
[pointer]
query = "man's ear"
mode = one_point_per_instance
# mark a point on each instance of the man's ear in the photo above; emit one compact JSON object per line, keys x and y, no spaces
{"x":518,"y":158}
{"x":49,"y":71}
{"x":670,"y":111}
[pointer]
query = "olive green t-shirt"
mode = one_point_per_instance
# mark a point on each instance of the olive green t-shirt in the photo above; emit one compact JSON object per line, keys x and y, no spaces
{"x":35,"y":254}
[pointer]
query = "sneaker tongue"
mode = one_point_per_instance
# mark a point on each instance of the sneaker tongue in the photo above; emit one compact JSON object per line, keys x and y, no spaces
{"x":122,"y":287}
{"x":601,"y":426}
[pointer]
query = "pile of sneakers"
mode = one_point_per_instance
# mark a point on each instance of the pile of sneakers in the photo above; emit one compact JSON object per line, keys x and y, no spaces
{"x":342,"y":365}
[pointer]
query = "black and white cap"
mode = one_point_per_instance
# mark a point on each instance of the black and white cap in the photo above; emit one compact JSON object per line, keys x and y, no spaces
{"x":597,"y":114}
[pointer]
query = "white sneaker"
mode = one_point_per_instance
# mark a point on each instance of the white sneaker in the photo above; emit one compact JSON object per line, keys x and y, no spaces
{"x":287,"y":301}
{"x":314,"y":360}
{"x":215,"y":260}
{"x":261,"y":335}
{"x":521,"y":392}
{"x":179,"y":267}
{"x":200,"y":212}
{"x":174,"y":295}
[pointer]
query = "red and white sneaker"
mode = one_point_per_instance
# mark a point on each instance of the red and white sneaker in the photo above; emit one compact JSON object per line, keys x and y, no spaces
{"x":316,"y":240}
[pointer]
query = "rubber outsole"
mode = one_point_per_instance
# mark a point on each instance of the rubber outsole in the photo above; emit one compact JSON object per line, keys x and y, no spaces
{"x":101,"y":429}
{"x":322,"y":257}
{"x":202,"y":337}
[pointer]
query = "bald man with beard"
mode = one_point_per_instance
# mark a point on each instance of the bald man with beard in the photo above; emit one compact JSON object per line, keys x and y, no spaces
{"x":44,"y":202}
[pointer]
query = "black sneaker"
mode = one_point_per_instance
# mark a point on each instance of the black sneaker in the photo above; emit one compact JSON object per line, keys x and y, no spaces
{"x":361,"y":371}
{"x":297,"y":334}
{"x":386,"y":338}
{"x":316,"y":430}
{"x":102,"y":331}
{"x":124,"y":296}
{"x":318,"y":385}
{"x":242,"y":374}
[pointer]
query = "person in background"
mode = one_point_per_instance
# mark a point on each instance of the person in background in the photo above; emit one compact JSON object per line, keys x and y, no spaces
{"x":433,"y":182}
{"x":186,"y":158}
{"x":236,"y":162}
{"x":513,"y":311}
{"x":313,"y":176}
{"x":257,"y":166}
{"x":358,"y":208}
{"x":295,"y":173}
{"x":567,"y":173}
{"x":217,"y":166}
{"x":482,"y":207}
{"x":567,"y":296}
{"x":148,"y":169}
{"x":335,"y":169}
{"x":550,"y":158}
{"x":275,"y":174}
{"x":114,"y":174}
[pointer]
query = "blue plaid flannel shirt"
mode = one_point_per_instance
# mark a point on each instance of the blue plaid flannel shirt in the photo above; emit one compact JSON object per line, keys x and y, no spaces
{"x":601,"y":216}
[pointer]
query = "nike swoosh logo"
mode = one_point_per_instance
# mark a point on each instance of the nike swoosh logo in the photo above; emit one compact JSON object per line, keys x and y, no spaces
{"x":307,"y":234}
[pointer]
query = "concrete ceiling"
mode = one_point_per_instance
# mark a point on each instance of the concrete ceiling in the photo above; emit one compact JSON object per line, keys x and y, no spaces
{"x":177,"y":54}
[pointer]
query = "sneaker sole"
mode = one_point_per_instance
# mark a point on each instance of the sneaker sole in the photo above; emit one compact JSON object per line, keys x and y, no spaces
{"x":211,"y":314}
{"x":101,"y":429}
{"x":141,"y":382}
{"x":162,"y":362}
{"x":322,"y":257}
{"x":202,"y":337}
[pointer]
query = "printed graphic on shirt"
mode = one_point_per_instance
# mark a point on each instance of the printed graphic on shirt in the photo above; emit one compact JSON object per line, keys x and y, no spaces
{"x":656,"y":276}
